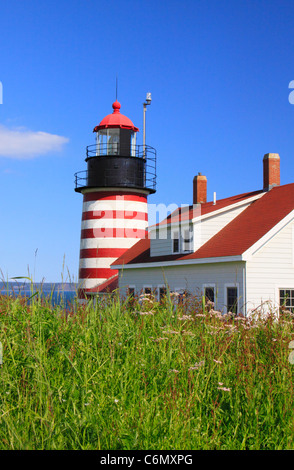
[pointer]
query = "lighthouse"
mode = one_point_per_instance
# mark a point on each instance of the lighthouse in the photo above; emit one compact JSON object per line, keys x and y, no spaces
{"x":119,"y":177}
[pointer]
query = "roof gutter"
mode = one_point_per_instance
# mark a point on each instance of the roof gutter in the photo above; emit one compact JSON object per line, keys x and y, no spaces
{"x":186,"y":262}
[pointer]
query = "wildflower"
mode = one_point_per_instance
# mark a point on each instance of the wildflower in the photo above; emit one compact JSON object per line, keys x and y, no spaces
{"x":216,"y":313}
{"x":116,"y":400}
{"x":197,"y":365}
{"x":171,"y":332}
{"x":174,"y":370}
{"x":224,"y":389}
{"x":218,"y":362}
{"x":188,"y":333}
{"x":209,"y":305}
{"x":146,"y":297}
{"x":147,"y":313}
{"x":186,"y":317}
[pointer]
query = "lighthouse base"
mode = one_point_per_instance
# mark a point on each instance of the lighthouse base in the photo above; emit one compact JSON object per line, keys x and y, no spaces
{"x":108,"y":287}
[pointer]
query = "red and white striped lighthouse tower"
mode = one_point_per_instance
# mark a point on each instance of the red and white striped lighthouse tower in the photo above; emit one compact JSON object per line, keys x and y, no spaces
{"x":120,"y":175}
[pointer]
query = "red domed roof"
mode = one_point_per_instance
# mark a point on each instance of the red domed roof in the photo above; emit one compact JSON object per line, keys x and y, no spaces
{"x":116,"y":120}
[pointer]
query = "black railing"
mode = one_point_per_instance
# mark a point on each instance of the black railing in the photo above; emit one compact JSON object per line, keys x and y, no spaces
{"x":119,"y":149}
{"x":140,"y":173}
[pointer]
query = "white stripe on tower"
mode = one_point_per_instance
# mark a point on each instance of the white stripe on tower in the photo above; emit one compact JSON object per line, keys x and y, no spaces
{"x":91,"y":243}
{"x":112,"y":222}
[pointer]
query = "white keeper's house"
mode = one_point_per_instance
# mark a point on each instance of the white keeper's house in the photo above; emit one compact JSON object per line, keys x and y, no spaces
{"x":237,"y":251}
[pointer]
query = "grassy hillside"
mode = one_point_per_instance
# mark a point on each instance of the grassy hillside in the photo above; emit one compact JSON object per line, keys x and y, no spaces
{"x":142,"y":376}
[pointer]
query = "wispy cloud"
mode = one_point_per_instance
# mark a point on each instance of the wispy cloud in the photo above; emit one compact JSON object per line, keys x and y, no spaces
{"x":23,"y":143}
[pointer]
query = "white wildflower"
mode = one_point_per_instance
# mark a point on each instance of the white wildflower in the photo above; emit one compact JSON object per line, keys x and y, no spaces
{"x":224,"y":389}
{"x":197,"y":365}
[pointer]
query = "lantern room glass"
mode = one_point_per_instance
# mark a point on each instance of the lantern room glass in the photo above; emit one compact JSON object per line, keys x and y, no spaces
{"x":133,"y":144}
{"x":107,"y":142}
{"x":111,"y":142}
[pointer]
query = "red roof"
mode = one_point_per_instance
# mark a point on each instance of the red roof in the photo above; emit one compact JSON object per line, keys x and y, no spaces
{"x":107,"y":286}
{"x":189,"y":212}
{"x":236,"y":237}
{"x":116,"y":119}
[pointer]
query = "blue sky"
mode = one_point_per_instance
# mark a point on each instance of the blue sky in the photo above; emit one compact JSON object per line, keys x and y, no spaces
{"x":219,"y":74}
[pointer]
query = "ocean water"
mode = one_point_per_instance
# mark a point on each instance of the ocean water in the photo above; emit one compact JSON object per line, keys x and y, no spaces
{"x":57,"y":293}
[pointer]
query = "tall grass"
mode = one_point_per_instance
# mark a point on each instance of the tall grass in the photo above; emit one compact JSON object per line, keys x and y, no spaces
{"x":142,"y":375}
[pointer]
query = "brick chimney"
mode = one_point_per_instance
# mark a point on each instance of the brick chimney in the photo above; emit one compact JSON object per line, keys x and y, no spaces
{"x":199,"y":189}
{"x":271,"y":171}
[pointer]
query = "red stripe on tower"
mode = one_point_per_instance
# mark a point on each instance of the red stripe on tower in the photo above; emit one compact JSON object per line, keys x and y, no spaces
{"x":102,"y":252}
{"x":119,"y":195}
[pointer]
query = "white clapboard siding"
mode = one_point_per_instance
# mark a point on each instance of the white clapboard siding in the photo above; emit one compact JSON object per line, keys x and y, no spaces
{"x":271,"y":268}
{"x":190,"y":277}
{"x":160,"y":242}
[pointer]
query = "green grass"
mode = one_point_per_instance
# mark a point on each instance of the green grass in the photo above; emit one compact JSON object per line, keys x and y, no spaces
{"x":112,"y":376}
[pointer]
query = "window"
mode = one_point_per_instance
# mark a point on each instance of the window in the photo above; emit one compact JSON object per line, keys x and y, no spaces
{"x":176,"y":242}
{"x":147,"y":290}
{"x":209,"y":294}
{"x":232,"y":299}
{"x":131,"y":292}
{"x":113,"y":142}
{"x":187,"y":240}
{"x":131,"y":296}
{"x":287,"y":299}
{"x":182,"y":240}
{"x":161,"y":293}
{"x":133,"y":144}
